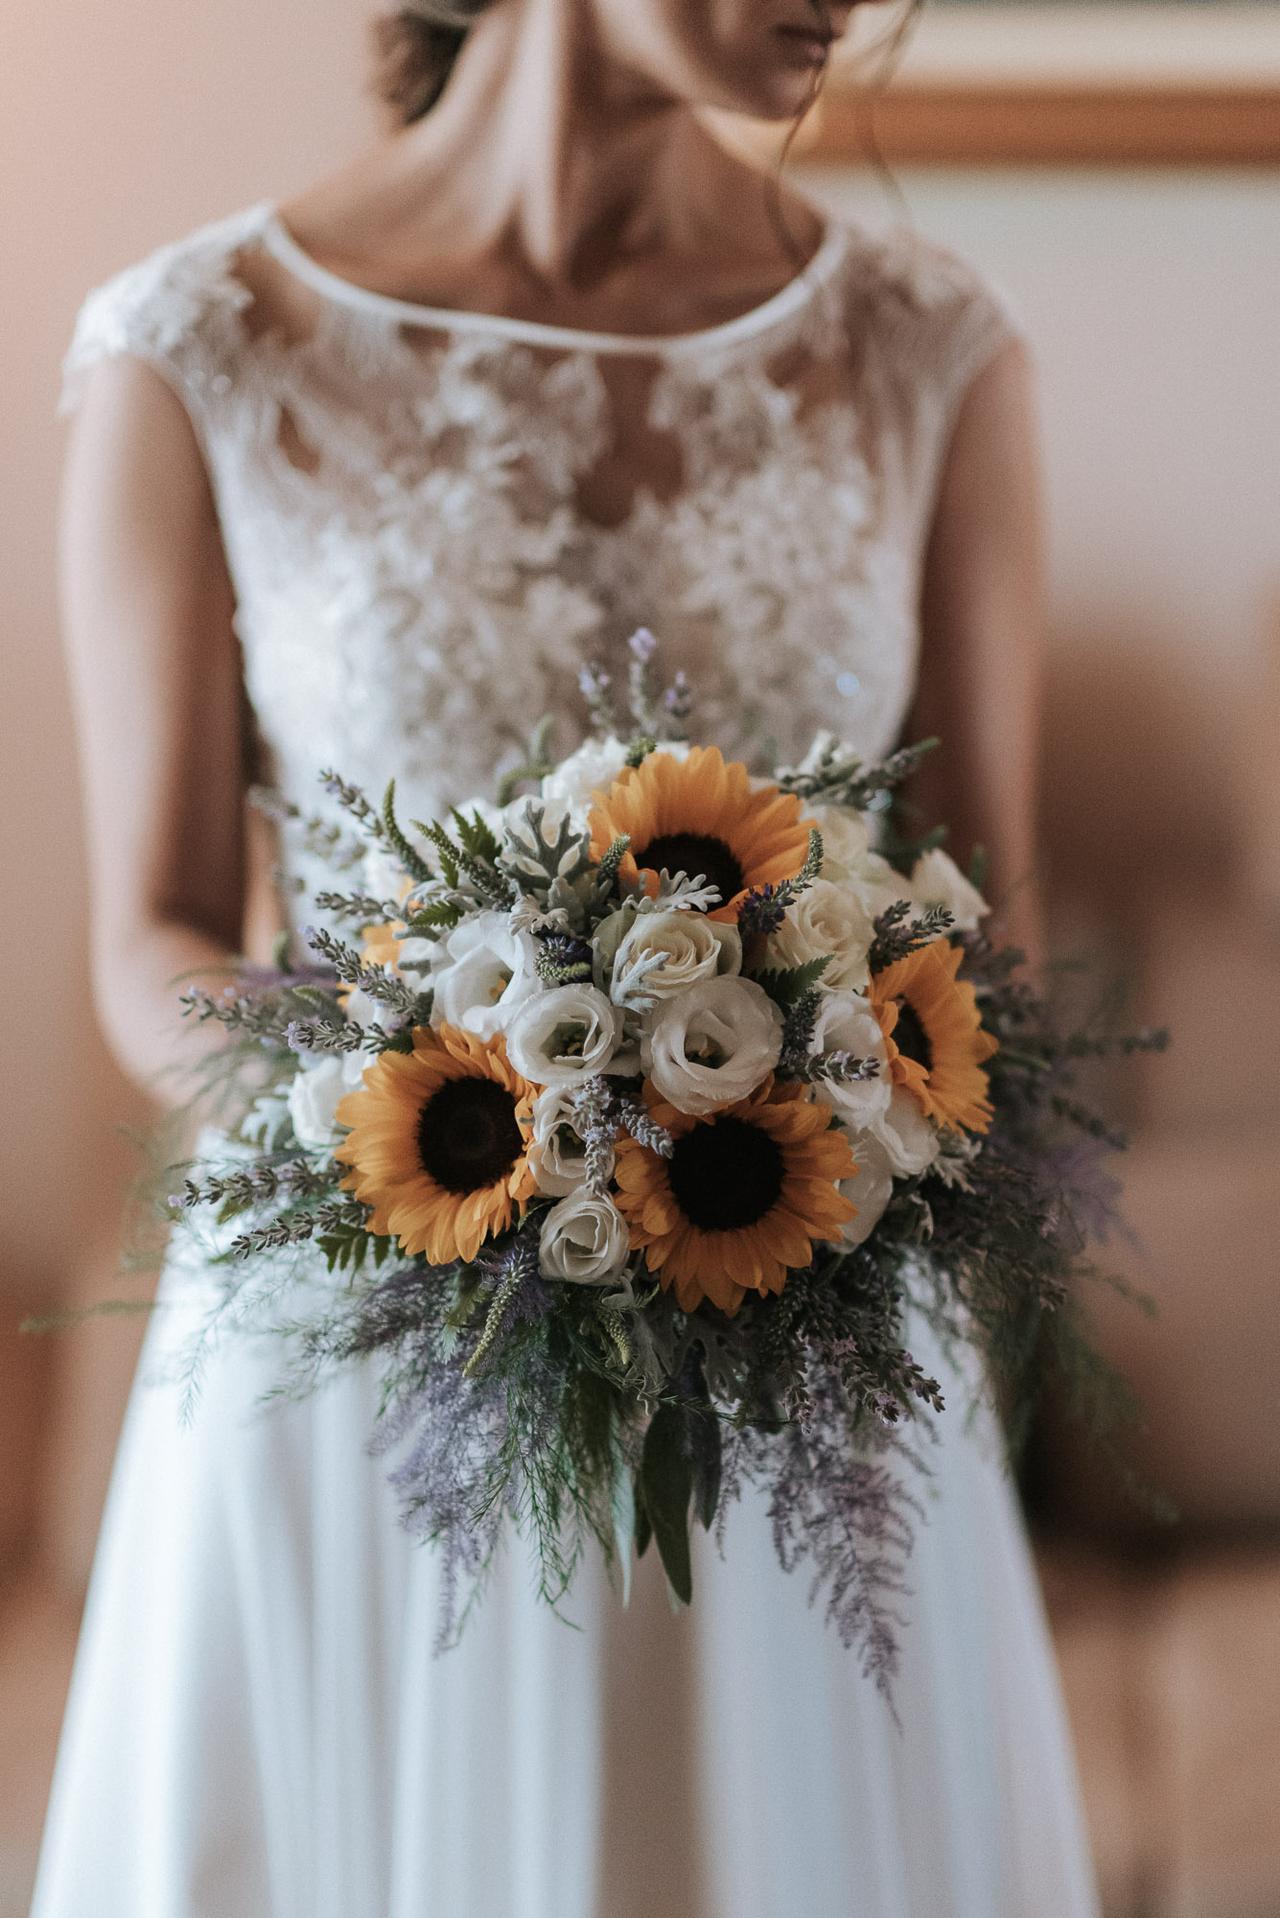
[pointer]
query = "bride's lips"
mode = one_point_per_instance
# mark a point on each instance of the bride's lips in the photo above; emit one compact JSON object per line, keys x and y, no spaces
{"x":809,"y":45}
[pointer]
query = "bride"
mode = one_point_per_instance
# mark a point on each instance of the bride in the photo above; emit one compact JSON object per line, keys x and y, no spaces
{"x":545,"y":365}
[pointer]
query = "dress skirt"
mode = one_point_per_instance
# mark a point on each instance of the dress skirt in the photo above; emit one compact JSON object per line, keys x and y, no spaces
{"x":259,"y":1726}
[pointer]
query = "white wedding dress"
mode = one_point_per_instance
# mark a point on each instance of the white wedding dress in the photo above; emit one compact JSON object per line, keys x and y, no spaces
{"x":412,"y":505}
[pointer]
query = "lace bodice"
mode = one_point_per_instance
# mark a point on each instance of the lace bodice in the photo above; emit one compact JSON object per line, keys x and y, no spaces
{"x":406,"y":498}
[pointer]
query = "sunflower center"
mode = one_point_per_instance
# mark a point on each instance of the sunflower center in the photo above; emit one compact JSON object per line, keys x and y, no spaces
{"x":725,"y":1174}
{"x":911,"y":1038}
{"x":695,"y":853}
{"x":467,"y":1134}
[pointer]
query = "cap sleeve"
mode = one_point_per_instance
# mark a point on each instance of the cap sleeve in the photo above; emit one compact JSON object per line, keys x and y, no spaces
{"x":951,"y":323}
{"x":177,"y":310}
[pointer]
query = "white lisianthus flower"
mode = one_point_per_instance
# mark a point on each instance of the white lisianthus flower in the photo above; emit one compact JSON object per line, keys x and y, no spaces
{"x":483,"y":971}
{"x":564,"y":1035}
{"x":384,"y":876}
{"x":908,"y":1138}
{"x":870,"y":1188}
{"x":713,"y":1044}
{"x":315,"y":1093}
{"x":363,"y":1009}
{"x":846,"y":1023}
{"x":594,"y":766}
{"x":691,"y":947}
{"x":936,"y":880}
{"x":415,"y":955}
{"x":584,"y":1240}
{"x":557,"y":1156}
{"x":827,"y":919}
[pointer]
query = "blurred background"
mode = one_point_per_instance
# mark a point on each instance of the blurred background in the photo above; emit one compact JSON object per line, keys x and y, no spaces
{"x":1117,"y":173}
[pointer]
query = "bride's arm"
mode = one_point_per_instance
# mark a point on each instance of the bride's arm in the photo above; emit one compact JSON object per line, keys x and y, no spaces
{"x":147,"y":608}
{"x":982,"y":614}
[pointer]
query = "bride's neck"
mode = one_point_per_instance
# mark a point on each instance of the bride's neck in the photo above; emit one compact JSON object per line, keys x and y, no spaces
{"x":544,"y":150}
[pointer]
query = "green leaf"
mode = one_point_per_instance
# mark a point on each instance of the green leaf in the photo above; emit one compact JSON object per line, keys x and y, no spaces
{"x":625,"y":1516}
{"x":644,"y":1530}
{"x":436,"y":915}
{"x":614,"y":854}
{"x":786,"y":985}
{"x":475,"y":837}
{"x":704,"y":1433}
{"x":407,"y":853}
{"x":666,"y":1481}
{"x":446,"y":851}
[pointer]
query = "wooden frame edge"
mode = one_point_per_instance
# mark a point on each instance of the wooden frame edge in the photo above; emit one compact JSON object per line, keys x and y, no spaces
{"x":940,"y":123}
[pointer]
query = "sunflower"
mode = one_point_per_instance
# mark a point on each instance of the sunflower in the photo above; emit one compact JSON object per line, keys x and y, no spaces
{"x":742,"y":1198}
{"x":437,"y":1143}
{"x":934,"y":1035}
{"x":701,"y":815}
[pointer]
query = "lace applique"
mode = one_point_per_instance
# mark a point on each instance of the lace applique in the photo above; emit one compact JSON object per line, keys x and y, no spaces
{"x":177,"y":309}
{"x":416,"y":580}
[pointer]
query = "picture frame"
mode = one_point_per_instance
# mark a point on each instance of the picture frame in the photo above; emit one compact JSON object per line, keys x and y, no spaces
{"x":1077,"y":83}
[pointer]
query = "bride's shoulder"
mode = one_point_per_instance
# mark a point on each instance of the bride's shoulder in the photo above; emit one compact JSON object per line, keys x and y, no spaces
{"x":176,"y":307}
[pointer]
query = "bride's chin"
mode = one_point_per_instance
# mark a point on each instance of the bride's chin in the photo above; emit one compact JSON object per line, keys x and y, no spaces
{"x":777,"y":98}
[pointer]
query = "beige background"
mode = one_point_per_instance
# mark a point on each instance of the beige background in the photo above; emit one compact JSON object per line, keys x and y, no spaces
{"x":1151,"y":300}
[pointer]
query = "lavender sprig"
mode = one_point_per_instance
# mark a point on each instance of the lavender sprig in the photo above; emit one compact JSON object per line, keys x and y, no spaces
{"x":254,"y":1185}
{"x":835,"y":1068}
{"x":340,"y":1216}
{"x":364,"y":907}
{"x":596,"y":686}
{"x":641,"y":691}
{"x":638,"y":1124}
{"x":765,"y":907}
{"x":677,"y":705}
{"x":563,"y":960}
{"x":353,"y":801}
{"x":897,"y":933}
{"x":520,"y":1294}
{"x":353,"y":971}
{"x":596,"y":1124}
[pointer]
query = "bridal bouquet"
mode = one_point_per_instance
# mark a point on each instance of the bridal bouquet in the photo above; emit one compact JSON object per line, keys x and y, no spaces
{"x":630,"y":1122}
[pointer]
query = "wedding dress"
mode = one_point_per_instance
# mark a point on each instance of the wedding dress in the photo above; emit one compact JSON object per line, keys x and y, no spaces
{"x":431,"y":519}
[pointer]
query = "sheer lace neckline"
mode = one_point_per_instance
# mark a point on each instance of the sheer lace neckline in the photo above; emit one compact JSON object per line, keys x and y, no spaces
{"x":782,"y":305}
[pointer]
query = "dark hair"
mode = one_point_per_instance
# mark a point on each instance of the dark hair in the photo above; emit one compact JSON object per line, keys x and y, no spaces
{"x":416,"y":48}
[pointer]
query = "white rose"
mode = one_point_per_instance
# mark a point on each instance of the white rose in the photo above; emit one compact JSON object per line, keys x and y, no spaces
{"x":876,"y":883}
{"x":594,"y":766}
{"x":830,"y":919}
{"x":584,"y":1239}
{"x":846,"y":838}
{"x":690,"y":946}
{"x":870,"y":1188}
{"x":557,"y":1157}
{"x":315,"y":1093}
{"x":849,"y":858}
{"x":936,"y":880}
{"x":483,"y":972}
{"x":846,"y":1023}
{"x":906,"y":1135}
{"x":713,"y":1045}
{"x":564,"y":1035}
